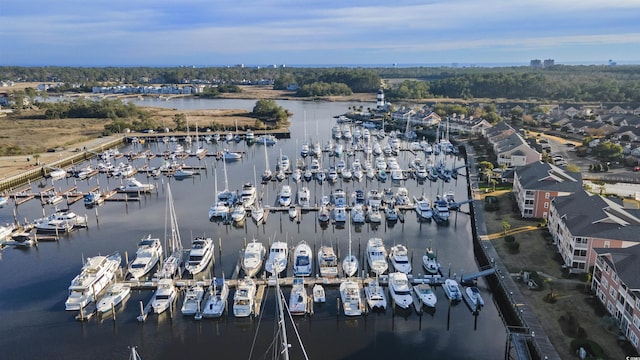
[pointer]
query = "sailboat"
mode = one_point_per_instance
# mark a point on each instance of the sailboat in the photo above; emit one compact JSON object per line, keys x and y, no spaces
{"x":350,"y":263}
{"x":257,"y":211}
{"x":172,"y":263}
{"x":267,"y":174}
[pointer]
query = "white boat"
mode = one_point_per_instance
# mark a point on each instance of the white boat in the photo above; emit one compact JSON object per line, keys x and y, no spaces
{"x":302,"y":259}
{"x":430,"y":261}
{"x":115,"y":295}
{"x":268,"y":140}
{"x":231,"y":156}
{"x":133,"y":185}
{"x":441,"y":210}
{"x":426,"y":295}
{"x":192,"y":300}
{"x":284,"y":162}
{"x":200,"y":255}
{"x":324,"y":214}
{"x":327,"y":262}
{"x":391,"y":214}
{"x":377,"y":256}
{"x":452,"y":290}
{"x":373,"y":215}
{"x":358,"y":214}
{"x":96,"y":274}
{"x":284,"y":199}
{"x":473,"y":297}
{"x":225,"y":199}
{"x":182,"y":173}
{"x":402,"y":197}
{"x":6,"y":231}
{"x":57,"y":174}
{"x":293,"y":212}
{"x":216,"y":299}
{"x":147,"y":256}
{"x":399,"y":256}
{"x":352,"y":303}
{"x":164,"y":296}
{"x":340,"y":214}
{"x":53,"y":198}
{"x":253,"y":257}
{"x":278,"y":258}
{"x":350,"y":262}
{"x":423,"y":209}
{"x":60,"y":221}
{"x":173,"y":261}
{"x":298,"y":299}
{"x":92,"y":198}
{"x":304,"y":197}
{"x":339,"y":197}
{"x":244,"y":297}
{"x":296,"y":175}
{"x":257,"y":213}
{"x":374,"y":198}
{"x":376,"y":298}
{"x":400,"y":289}
{"x":239,"y":213}
{"x":319,"y":294}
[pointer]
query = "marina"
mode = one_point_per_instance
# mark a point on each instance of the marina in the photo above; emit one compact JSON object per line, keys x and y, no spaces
{"x":120,"y":225}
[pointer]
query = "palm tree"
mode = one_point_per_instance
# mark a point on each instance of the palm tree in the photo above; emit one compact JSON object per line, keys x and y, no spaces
{"x":505,"y":226}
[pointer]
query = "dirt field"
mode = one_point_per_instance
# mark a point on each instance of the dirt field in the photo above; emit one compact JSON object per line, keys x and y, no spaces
{"x":537,"y":254}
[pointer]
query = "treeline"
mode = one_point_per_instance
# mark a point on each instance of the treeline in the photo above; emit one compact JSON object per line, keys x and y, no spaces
{"x":83,"y":108}
{"x":214,"y":91}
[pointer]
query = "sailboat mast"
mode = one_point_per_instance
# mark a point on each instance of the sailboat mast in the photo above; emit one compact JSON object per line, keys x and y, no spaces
{"x":283,"y":328}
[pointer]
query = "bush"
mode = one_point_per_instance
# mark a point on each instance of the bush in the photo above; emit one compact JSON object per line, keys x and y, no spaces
{"x":594,"y":351}
{"x":513,"y":247}
{"x":509,"y":239}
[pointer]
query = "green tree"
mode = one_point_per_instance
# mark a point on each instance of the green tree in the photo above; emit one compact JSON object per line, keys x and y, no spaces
{"x":505,"y":226}
{"x":180,"y":121}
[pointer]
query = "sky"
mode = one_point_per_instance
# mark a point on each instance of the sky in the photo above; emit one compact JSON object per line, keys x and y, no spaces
{"x":310,"y":32}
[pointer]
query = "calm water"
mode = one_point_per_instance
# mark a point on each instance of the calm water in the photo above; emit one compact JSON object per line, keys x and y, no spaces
{"x":34,"y":282}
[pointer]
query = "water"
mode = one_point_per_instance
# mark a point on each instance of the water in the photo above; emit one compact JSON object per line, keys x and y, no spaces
{"x":34,"y":284}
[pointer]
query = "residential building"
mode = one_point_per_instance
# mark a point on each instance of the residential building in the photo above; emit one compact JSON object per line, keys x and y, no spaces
{"x":509,"y":146}
{"x":534,"y":186}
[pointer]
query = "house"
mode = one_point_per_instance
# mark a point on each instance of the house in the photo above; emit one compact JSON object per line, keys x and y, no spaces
{"x":534,"y":186}
{"x":617,"y":110}
{"x":510,"y":148}
{"x":616,"y":284}
{"x":582,"y":222}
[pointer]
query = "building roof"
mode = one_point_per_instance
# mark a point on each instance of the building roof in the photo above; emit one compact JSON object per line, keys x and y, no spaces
{"x":589,"y":215}
{"x":625,"y":262}
{"x":548,"y":177}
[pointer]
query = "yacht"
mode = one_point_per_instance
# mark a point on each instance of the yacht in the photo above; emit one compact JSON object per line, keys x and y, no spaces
{"x":250,"y":136}
{"x":318,"y":294}
{"x":296,"y":176}
{"x":278,"y":258}
{"x":302,"y":259}
{"x":239,"y":213}
{"x":200,"y":255}
{"x":376,"y":298}
{"x":252,"y":258}
{"x":452,"y":290}
{"x":430,"y":261}
{"x":298,"y":300}
{"x":377,"y":256}
{"x":402,"y":197}
{"x":231,"y":156}
{"x":399,"y":256}
{"x":324,"y":214}
{"x":422,"y":173}
{"x":268,"y":140}
{"x":451,"y":201}
{"x":426,"y":295}
{"x":400,"y":289}
{"x":133,"y":185}
{"x":441,"y":210}
{"x":327,"y":262}
{"x":115,"y":295}
{"x":352,"y":303}
{"x":388,"y":197}
{"x":423,"y":209}
{"x":391,"y":214}
{"x":284,"y":162}
{"x":216,"y":298}
{"x":473,"y":297}
{"x":308,"y":175}
{"x":357,"y":214}
{"x":339,"y":197}
{"x":304,"y":150}
{"x":192,"y":300}
{"x":374,"y":198}
{"x":147,"y":256}
{"x":164,"y":296}
{"x":284,"y":199}
{"x":57,"y":174}
{"x":340,"y":214}
{"x":93,"y":198}
{"x":333,"y":175}
{"x":304,"y":197}
{"x":60,"y":222}
{"x":244,"y":298}
{"x":97,"y":272}
{"x":248,"y":194}
{"x":373,"y":215}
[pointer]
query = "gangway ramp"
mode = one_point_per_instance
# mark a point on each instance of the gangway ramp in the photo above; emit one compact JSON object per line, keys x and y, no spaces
{"x":474,"y":276}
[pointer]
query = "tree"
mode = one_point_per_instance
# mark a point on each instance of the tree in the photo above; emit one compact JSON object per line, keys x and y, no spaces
{"x":505,"y":226}
{"x":180,"y":120}
{"x":572,"y":168}
{"x":486,"y":168}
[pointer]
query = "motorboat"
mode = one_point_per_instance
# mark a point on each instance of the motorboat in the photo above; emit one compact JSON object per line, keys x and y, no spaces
{"x":382,"y":175}
{"x":400,"y":289}
{"x":239,"y":213}
{"x":219,"y":210}
{"x":60,"y":222}
{"x":92,"y":198}
{"x":284,"y":199}
{"x":253,"y":257}
{"x":200,"y":255}
{"x":473,"y":297}
{"x":421,"y":173}
{"x":298,"y":299}
{"x":451,"y":201}
{"x":164,"y":296}
{"x":308,"y":175}
{"x":302,"y":259}
{"x":133,"y":185}
{"x":423,"y":208}
{"x":381,"y":163}
{"x":388,"y":197}
{"x":192,"y":300}
{"x":293,"y":212}
{"x":374,"y":198}
{"x":147,"y":256}
{"x":332,"y":175}
{"x":296,"y":176}
{"x":357,"y":214}
{"x":57,"y":174}
{"x":304,"y":150}
{"x":339,"y":197}
{"x":358,"y":197}
{"x":377,"y":256}
{"x":397,"y":175}
{"x":3,"y":200}
{"x":324,"y":214}
{"x":53,"y":199}
{"x":318,"y":294}
{"x":399,"y":256}
{"x":248,"y":195}
{"x":244,"y":297}
{"x":376,"y":298}
{"x":452,"y":290}
{"x":17,"y":239}
{"x":430,"y":261}
{"x":268,"y":140}
{"x":327,"y":262}
{"x":340,"y":214}
{"x":402,"y":197}
{"x":441,"y":210}
{"x":96,"y":274}
{"x":352,"y":303}
{"x":278,"y":258}
{"x":391,"y":214}
{"x":231,"y":156}
{"x":115,"y":295}
{"x":250,"y":136}
{"x":257,"y":213}
{"x":426,"y":295}
{"x":373,"y":215}
{"x":216,"y":299}
{"x":304,"y":197}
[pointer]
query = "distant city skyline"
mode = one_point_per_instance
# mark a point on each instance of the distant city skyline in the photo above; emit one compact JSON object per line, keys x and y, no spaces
{"x":318,"y":33}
